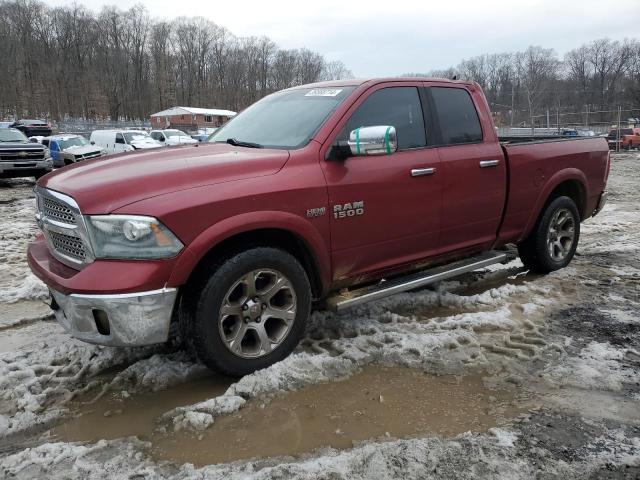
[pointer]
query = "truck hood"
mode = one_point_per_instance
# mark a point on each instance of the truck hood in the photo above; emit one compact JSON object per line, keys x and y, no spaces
{"x":181,"y":140}
{"x":81,"y":150}
{"x":144,"y":142}
{"x":104,"y":185}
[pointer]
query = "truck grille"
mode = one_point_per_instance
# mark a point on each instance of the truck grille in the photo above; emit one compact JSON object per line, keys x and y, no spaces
{"x":68,"y":245}
{"x":62,"y":224}
{"x":22,"y":154}
{"x":57,"y":211}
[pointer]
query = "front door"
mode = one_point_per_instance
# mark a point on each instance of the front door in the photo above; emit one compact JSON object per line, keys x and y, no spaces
{"x":382,"y":215}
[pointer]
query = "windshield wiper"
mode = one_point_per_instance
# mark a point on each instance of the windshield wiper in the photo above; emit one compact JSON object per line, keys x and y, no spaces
{"x":239,"y":143}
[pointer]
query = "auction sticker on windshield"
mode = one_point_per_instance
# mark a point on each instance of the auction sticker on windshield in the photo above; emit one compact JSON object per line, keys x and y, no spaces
{"x":323,"y":92}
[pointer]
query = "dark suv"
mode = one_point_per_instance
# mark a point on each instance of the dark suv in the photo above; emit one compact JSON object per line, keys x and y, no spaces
{"x":21,"y":158}
{"x":32,"y":128}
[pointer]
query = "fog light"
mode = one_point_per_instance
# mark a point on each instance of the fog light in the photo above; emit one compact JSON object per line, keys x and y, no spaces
{"x":102,"y":322}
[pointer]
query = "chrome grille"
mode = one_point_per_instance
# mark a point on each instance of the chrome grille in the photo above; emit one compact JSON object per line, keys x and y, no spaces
{"x":68,"y":245}
{"x":57,"y":211}
{"x":63,"y":226}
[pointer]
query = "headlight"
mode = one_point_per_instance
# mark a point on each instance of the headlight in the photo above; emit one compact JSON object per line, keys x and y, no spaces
{"x":47,"y":153}
{"x":131,"y":237}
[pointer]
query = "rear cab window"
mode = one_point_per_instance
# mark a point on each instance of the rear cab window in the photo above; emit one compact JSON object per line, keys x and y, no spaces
{"x":457,"y":116}
{"x":399,"y":107}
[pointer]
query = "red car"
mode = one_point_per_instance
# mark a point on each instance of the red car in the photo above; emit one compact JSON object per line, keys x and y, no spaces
{"x":308,"y":192}
{"x":629,"y":138}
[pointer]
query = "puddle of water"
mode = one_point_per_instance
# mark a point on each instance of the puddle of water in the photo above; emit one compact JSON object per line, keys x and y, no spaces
{"x":378,"y":401}
{"x":114,"y":416}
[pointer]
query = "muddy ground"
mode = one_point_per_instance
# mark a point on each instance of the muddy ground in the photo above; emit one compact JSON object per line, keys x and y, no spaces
{"x":499,"y":374}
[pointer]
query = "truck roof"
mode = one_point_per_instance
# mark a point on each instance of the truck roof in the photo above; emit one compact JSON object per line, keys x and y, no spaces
{"x":354,"y":82}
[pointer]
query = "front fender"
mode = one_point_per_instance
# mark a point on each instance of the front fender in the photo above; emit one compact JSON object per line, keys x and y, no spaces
{"x":567,"y":174}
{"x":246,"y":222}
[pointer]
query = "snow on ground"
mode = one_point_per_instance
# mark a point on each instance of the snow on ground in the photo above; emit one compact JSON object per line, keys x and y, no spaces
{"x":573,"y":329}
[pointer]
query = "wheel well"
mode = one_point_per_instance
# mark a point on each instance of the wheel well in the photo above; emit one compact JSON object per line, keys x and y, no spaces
{"x":575,"y":191}
{"x":271,"y":237}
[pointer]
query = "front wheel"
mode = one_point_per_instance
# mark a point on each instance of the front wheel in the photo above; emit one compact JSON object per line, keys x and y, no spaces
{"x":554,"y":239}
{"x":251,"y":311}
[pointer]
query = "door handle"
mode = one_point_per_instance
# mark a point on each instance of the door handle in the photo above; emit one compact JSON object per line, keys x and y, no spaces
{"x":489,"y":163}
{"x":419,"y":172}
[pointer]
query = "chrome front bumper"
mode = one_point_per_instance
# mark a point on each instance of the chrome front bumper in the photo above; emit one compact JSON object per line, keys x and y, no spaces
{"x":117,"y":320}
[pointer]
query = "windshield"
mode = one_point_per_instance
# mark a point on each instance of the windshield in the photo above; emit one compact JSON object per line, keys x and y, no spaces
{"x":73,"y":142}
{"x":175,"y":133}
{"x":135,"y":136}
{"x":287,"y":119}
{"x":11,"y":135}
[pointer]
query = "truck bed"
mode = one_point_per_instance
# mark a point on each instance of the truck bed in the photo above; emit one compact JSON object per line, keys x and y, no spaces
{"x":536,"y":166}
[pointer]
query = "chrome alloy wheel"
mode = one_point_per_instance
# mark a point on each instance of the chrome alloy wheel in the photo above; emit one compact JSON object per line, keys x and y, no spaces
{"x":257,"y":313}
{"x":561,"y":234}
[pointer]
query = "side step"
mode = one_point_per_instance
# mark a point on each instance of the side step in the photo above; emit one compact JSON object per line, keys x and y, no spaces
{"x":383,"y":289}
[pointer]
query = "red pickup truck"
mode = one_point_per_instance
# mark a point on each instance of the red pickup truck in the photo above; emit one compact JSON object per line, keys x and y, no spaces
{"x":310,"y":197}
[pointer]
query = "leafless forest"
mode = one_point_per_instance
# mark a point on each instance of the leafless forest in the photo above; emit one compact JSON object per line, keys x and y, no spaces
{"x":72,"y":62}
{"x":585,"y":87}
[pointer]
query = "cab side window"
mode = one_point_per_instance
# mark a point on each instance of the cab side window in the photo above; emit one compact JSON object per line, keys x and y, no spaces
{"x":457,"y":116}
{"x":398,"y":107}
{"x":119,"y":138}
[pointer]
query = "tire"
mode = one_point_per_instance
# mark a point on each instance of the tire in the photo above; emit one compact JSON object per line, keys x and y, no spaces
{"x":544,"y":251}
{"x":270,"y":317}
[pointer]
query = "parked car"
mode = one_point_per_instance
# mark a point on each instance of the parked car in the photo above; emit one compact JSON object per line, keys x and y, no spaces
{"x":68,"y":149}
{"x":312,"y":195}
{"x":203,"y":134}
{"x":21,"y":158}
{"x":172,"y":137}
{"x":33,"y":128}
{"x":586,"y":133}
{"x":629,"y":138}
{"x":118,"y":141}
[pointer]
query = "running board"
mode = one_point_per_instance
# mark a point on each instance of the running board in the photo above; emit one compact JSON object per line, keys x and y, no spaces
{"x":383,"y":289}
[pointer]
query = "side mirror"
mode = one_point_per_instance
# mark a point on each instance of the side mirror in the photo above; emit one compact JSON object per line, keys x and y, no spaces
{"x":377,"y":140}
{"x":92,"y":142}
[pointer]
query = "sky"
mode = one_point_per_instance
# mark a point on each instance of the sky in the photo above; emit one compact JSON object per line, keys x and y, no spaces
{"x":387,"y":38}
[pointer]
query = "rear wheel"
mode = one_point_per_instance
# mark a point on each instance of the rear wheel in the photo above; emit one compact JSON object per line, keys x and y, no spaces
{"x":553,"y":242}
{"x":250,"y":312}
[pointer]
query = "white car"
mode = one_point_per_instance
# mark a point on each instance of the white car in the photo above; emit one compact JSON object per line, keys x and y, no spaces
{"x":118,"y":141}
{"x":172,"y":137}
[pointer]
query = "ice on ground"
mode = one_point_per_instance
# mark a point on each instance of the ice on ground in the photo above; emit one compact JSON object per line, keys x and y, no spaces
{"x":597,"y":367}
{"x":31,"y":288}
{"x":505,"y":438}
{"x":465,"y":456}
{"x":37,"y":383}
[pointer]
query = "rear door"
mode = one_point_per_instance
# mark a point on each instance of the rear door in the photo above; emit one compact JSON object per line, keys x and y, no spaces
{"x":473,"y":169}
{"x":392,"y":217}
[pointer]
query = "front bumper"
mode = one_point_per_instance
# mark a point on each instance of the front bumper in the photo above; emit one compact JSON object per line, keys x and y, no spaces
{"x":127,"y":319}
{"x":24,"y":169}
